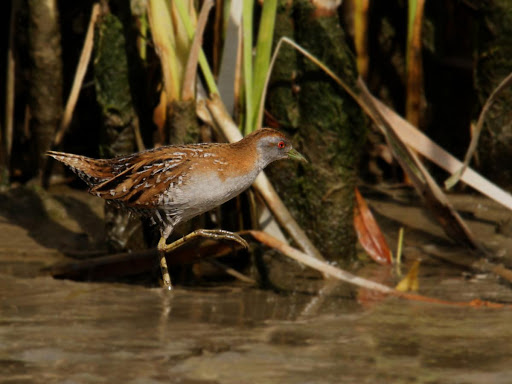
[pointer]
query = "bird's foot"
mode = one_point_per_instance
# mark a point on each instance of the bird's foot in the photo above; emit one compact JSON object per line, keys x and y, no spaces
{"x":216,"y":234}
{"x":220,"y":234}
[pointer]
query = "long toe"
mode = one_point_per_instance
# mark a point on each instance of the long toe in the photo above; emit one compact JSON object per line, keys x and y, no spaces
{"x":220,"y":234}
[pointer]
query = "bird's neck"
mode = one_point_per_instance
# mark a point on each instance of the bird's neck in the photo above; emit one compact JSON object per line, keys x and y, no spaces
{"x":244,"y":159}
{"x":248,"y":151}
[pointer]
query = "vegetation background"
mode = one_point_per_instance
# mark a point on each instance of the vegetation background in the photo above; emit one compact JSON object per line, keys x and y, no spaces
{"x":433,"y":62}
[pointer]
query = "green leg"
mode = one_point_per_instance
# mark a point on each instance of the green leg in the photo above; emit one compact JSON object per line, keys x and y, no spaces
{"x":216,"y":234}
{"x":166,"y":278}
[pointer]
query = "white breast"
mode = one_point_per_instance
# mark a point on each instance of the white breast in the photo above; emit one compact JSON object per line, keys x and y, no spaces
{"x":205,"y":191}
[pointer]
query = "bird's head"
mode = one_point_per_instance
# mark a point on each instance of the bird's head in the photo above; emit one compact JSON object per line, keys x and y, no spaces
{"x":272,"y":145}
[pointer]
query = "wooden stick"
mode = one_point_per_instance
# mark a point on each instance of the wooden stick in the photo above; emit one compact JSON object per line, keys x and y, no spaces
{"x":232,"y":272}
{"x":342,"y":275}
{"x":319,"y":265}
{"x":83,"y":63}
{"x":189,"y":79}
{"x":125,"y":264}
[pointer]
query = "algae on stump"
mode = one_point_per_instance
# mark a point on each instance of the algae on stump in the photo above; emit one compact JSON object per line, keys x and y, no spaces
{"x":325,"y":123}
{"x":494,"y":63}
{"x":113,"y":94}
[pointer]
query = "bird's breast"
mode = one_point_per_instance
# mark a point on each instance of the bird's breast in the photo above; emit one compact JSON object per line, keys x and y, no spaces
{"x":206,"y":190}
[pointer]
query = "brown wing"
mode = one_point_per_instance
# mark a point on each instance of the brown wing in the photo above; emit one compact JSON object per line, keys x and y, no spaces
{"x":141,"y":180}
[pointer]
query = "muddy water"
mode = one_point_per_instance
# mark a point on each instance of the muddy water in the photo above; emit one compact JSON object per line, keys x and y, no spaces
{"x":58,"y":331}
{"x":67,"y":332}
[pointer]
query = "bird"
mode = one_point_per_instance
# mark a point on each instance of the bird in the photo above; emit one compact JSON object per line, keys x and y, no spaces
{"x":174,"y":183}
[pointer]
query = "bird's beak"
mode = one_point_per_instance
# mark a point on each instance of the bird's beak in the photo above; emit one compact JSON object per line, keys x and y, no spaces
{"x":293,"y":154}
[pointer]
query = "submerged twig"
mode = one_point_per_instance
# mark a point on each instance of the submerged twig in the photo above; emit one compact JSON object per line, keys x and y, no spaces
{"x":342,"y":275}
{"x":136,"y":262}
{"x":232,"y":272}
{"x":480,"y":265}
{"x":316,"y":264}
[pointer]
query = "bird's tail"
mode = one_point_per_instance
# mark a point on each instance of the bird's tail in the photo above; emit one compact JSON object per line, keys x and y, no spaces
{"x":92,"y":171}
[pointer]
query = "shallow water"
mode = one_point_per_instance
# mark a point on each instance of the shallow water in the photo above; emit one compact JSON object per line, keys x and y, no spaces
{"x":58,"y":331}
{"x":68,"y":332}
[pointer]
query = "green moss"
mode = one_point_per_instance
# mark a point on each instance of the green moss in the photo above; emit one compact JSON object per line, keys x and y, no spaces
{"x":282,"y":99}
{"x":111,"y":79}
{"x":184,"y":127}
{"x":494,"y":63}
{"x":330,"y":131}
{"x":113,"y":94}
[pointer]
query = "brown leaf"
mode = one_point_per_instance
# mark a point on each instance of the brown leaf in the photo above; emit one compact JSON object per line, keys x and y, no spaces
{"x":369,"y":233}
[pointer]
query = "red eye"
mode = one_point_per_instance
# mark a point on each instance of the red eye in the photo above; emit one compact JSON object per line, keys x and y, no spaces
{"x":281,"y":145}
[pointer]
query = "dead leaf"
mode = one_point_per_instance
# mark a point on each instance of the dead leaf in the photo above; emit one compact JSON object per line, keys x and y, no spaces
{"x":369,"y":233}
{"x":410,"y":281}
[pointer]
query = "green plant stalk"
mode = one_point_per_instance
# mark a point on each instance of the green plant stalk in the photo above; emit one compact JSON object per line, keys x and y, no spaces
{"x":160,"y":21}
{"x":398,"y":258}
{"x":247,"y":14}
{"x":262,"y":58}
{"x":411,"y":16}
{"x":203,"y":63}
{"x":399,"y":247}
{"x":190,"y":72}
{"x":226,"y":4}
{"x":144,"y":36}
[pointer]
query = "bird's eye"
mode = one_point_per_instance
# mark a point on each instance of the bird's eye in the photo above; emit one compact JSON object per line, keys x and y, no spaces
{"x":281,"y":145}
